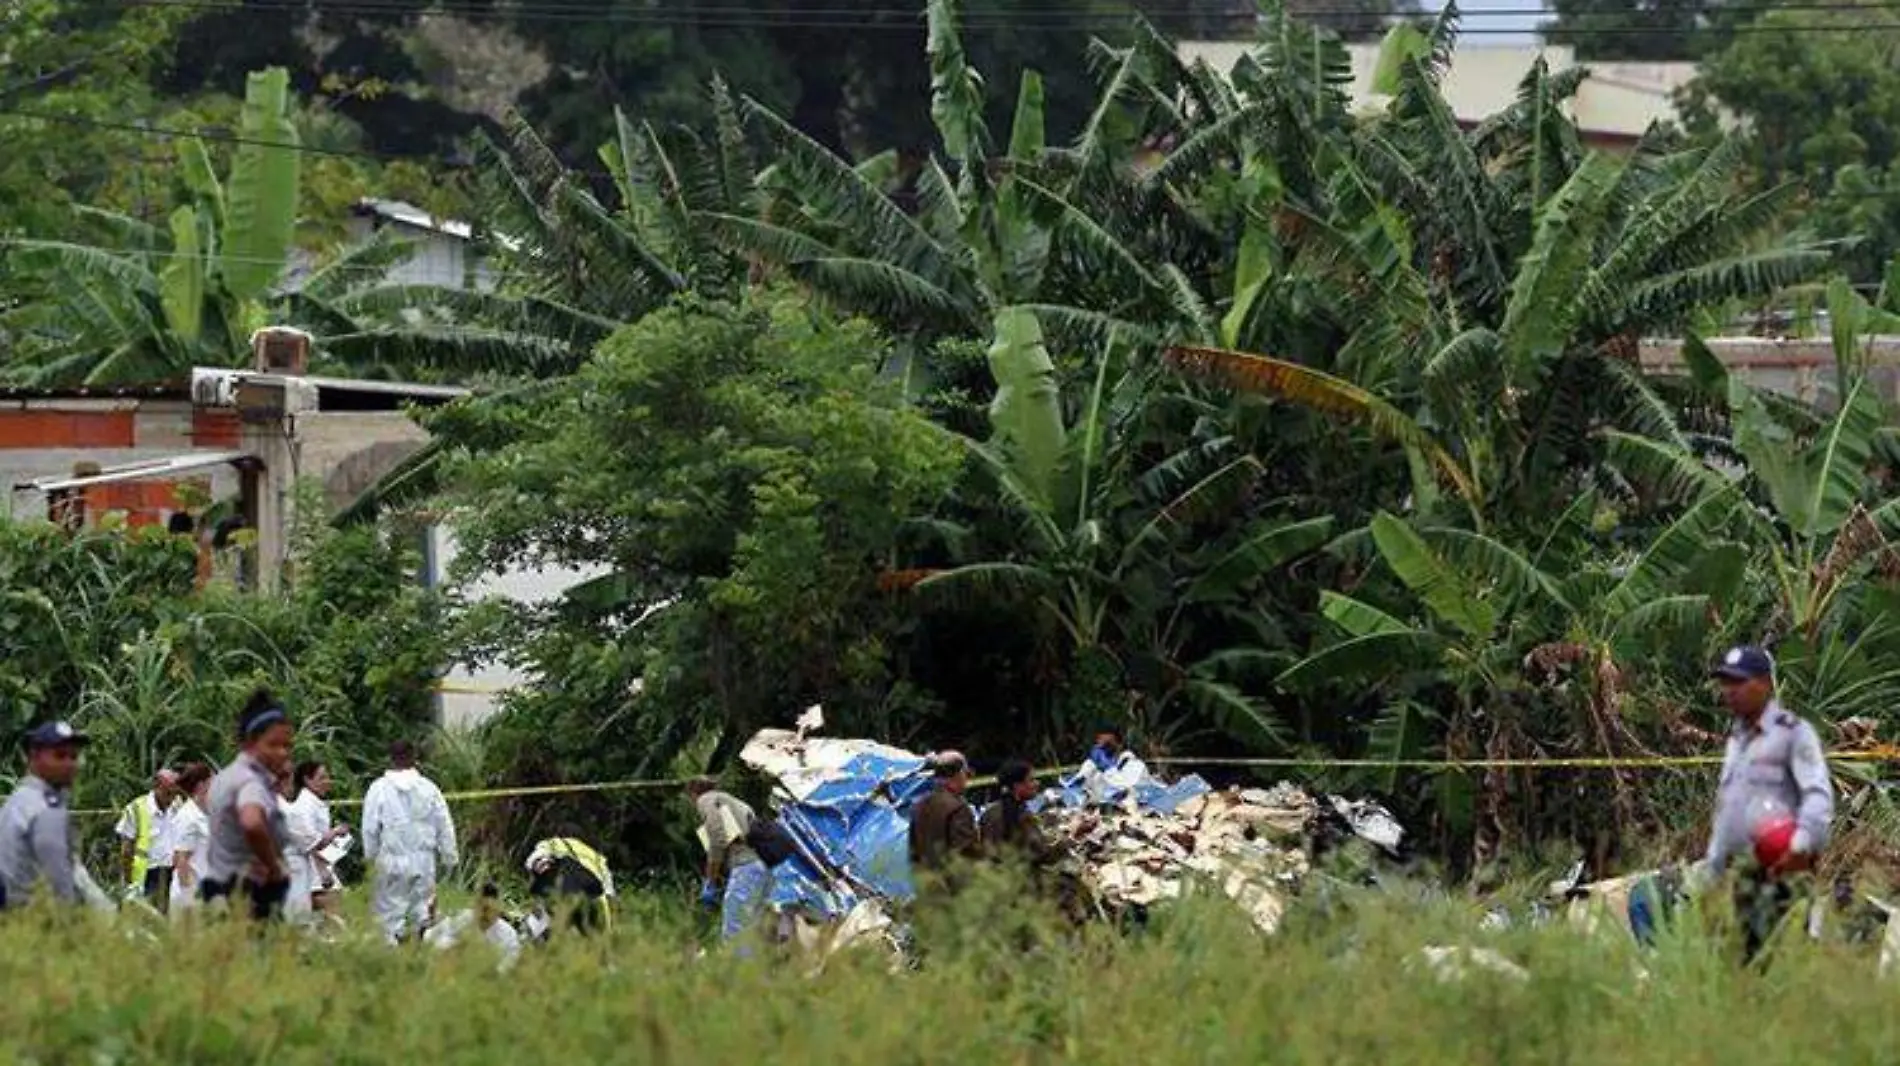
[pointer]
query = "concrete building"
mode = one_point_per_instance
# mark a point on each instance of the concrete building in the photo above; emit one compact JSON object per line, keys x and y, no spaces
{"x":1617,"y":102}
{"x":1795,"y":366}
{"x":441,"y":250}
{"x":247,"y":437}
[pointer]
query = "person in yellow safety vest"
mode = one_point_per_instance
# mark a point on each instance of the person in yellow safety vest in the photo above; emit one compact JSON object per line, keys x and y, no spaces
{"x":145,"y":834}
{"x":569,"y":873}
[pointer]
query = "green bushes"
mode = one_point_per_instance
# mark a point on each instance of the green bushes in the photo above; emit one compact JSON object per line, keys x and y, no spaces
{"x":105,"y":628}
{"x":1198,"y":986}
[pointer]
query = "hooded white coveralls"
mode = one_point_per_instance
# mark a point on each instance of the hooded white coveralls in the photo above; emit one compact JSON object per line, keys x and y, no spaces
{"x":407,"y":836}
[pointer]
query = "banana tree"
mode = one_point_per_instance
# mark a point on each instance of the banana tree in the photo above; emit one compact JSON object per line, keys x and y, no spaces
{"x":1115,"y":553}
{"x":1497,"y":635}
{"x":1823,"y":522}
{"x":989,"y":231}
{"x":147,"y":304}
{"x":193,"y":293}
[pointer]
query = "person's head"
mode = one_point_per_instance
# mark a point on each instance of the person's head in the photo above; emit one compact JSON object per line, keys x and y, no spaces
{"x":165,"y":787}
{"x":1018,"y":780}
{"x":951,"y":770}
{"x":195,"y":781}
{"x":402,"y":755}
{"x":265,"y":731}
{"x":52,"y":753}
{"x":699,"y":786}
{"x":488,"y":903}
{"x":1746,"y":676}
{"x":311,"y":775}
{"x":180,"y":524}
{"x":1109,"y":739}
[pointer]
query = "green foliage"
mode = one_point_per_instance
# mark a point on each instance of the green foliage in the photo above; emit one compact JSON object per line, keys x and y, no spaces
{"x":740,"y":479}
{"x":1819,"y":100}
{"x":106,"y":629}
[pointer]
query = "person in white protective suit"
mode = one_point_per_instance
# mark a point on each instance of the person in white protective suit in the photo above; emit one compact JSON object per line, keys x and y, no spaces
{"x":1110,"y":765}
{"x":408,"y":837}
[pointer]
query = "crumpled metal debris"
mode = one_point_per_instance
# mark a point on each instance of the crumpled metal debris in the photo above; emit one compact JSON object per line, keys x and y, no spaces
{"x":1143,"y":846}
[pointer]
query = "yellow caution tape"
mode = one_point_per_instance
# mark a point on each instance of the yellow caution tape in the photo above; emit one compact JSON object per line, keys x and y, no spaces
{"x":1881,"y":754}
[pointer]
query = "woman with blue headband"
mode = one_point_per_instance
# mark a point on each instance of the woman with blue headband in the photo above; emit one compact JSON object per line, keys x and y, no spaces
{"x":245,"y":852}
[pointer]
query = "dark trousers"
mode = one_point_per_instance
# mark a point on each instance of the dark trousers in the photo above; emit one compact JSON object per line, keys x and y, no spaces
{"x":265,"y":902}
{"x":157,"y":886}
{"x":1763,"y":902}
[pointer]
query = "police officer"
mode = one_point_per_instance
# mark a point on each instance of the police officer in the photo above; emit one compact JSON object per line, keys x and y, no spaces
{"x":36,"y":842}
{"x":1773,"y":765}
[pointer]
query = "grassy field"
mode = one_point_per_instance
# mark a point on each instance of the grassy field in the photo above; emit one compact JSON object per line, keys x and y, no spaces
{"x":1197,"y":986}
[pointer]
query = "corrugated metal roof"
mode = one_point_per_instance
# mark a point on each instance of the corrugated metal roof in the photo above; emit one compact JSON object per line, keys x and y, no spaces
{"x":170,"y":466}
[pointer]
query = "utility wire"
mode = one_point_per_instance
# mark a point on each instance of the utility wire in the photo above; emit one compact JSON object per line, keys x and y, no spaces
{"x":892,"y":20}
{"x":611,"y":9}
{"x":207,"y":133}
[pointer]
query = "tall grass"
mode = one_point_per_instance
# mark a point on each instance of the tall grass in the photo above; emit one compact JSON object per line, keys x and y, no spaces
{"x":1196,"y":986}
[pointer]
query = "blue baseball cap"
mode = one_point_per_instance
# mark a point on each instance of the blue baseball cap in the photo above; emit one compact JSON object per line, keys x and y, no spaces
{"x":53,"y":735}
{"x":1745,"y":662}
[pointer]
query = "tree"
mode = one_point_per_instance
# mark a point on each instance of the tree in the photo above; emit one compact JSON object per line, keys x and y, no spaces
{"x":90,"y":63}
{"x":1634,"y":31}
{"x":143,"y":304}
{"x":741,"y":478}
{"x":1135,"y":568}
{"x":1820,"y":109}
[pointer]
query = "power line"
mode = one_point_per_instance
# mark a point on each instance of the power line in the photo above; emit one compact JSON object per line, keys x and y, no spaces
{"x":905,"y":21}
{"x":206,"y":133}
{"x":609,"y":11}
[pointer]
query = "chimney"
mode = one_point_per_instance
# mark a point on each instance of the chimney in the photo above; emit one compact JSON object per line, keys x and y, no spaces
{"x":281,"y":350}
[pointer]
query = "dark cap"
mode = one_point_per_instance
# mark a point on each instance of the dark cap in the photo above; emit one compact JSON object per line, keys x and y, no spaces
{"x":53,"y":735}
{"x":1744,"y":663}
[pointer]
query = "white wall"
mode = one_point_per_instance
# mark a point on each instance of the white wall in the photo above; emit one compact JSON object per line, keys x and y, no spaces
{"x":470,"y":697}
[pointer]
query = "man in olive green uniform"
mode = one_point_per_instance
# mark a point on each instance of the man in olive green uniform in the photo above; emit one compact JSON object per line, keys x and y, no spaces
{"x":942,"y":825}
{"x":1008,"y":828}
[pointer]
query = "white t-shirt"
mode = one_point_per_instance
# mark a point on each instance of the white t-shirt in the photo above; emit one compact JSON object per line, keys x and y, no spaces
{"x":158,"y":850}
{"x":191,"y":834}
{"x":307,"y":820}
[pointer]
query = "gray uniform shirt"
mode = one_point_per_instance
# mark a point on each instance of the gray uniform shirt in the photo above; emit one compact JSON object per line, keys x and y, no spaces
{"x":726,"y":818}
{"x":1777,"y":762}
{"x":243,"y":783}
{"x":36,"y":842}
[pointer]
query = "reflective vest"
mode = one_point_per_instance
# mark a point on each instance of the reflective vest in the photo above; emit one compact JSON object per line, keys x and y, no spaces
{"x":590,"y":860}
{"x":142,"y":842}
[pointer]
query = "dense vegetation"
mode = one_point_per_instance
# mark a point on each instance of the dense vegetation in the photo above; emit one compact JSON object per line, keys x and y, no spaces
{"x":105,"y":629}
{"x":1201,"y":981}
{"x":1249,"y":421}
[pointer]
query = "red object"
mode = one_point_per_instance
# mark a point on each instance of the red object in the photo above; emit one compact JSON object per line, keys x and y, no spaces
{"x":1773,"y":839}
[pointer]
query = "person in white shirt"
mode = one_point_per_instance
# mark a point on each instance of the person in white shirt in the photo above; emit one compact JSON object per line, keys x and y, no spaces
{"x":307,"y":819}
{"x":486,"y":918}
{"x":407,"y":837}
{"x":191,"y":830}
{"x":144,"y":829}
{"x":1110,"y":765}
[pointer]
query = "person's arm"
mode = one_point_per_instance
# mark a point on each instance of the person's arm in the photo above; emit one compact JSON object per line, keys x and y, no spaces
{"x":128,"y":832}
{"x":962,"y":833}
{"x":718,"y":837}
{"x":373,"y":822}
{"x":1716,"y":858}
{"x":51,"y":837}
{"x":446,"y":851}
{"x":1816,"y":812}
{"x":254,"y":805}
